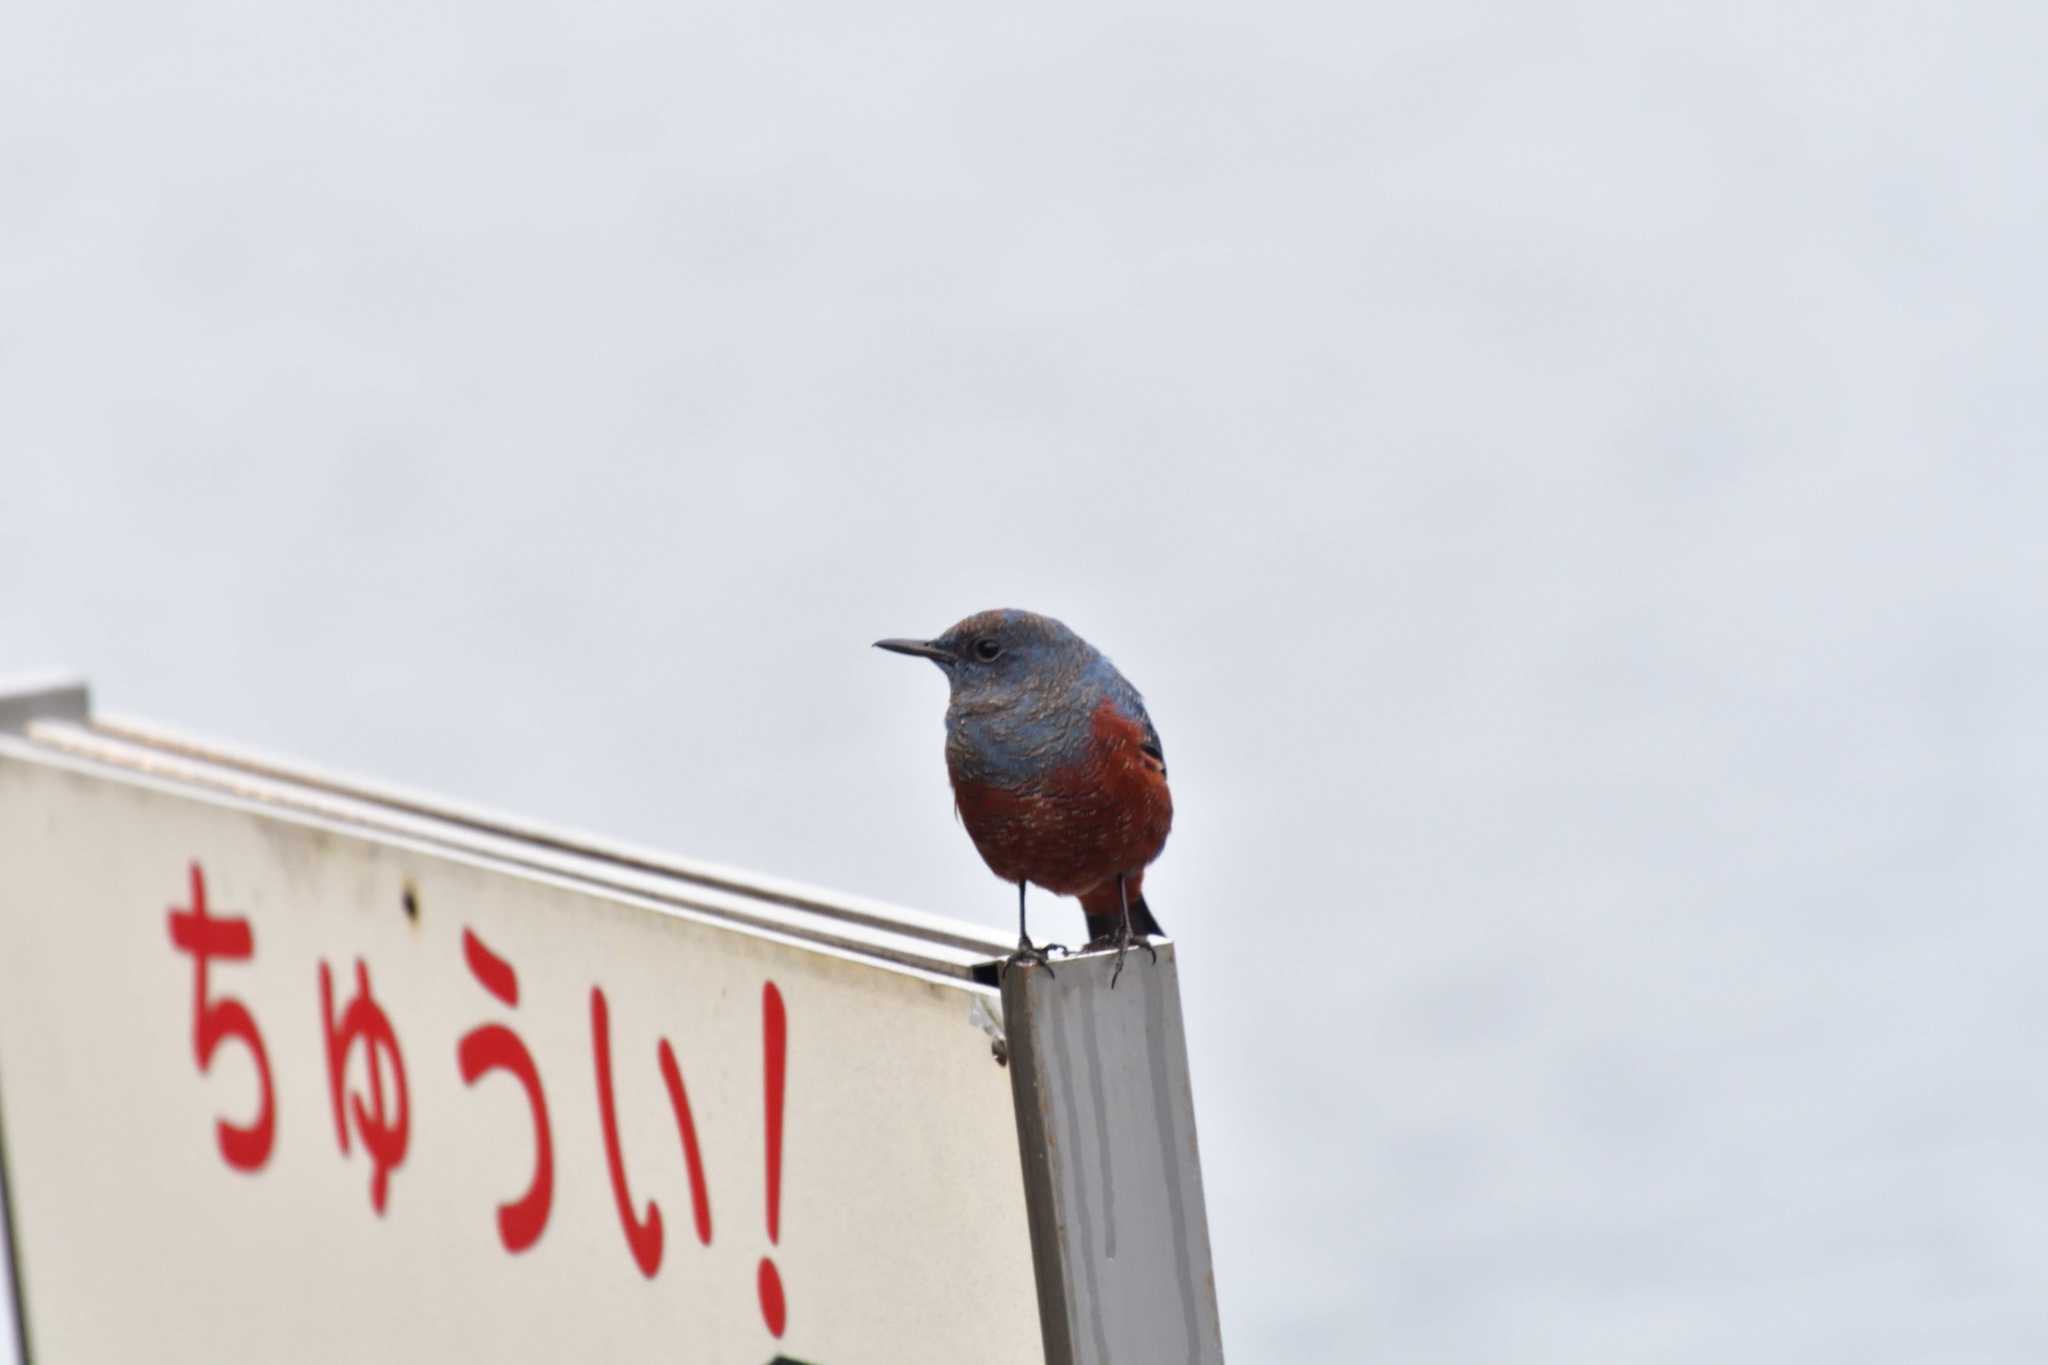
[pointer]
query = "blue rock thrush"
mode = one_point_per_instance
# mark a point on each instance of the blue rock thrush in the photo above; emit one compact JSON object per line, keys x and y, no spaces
{"x":1057,"y":771}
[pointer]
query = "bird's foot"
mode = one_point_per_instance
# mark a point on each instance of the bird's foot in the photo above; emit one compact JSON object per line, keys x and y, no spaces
{"x":1123,"y":945}
{"x":1027,"y":951}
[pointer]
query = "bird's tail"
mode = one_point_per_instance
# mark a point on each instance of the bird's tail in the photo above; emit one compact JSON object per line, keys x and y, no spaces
{"x":1105,"y":915}
{"x":1142,"y":920}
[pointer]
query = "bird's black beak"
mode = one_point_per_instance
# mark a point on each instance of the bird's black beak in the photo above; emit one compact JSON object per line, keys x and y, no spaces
{"x":923,"y":649}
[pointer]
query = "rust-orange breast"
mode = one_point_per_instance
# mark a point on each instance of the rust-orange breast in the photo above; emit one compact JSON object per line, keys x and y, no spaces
{"x":1085,"y":822}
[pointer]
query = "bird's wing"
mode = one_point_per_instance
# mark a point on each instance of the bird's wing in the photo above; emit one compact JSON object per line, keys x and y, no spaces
{"x":1151,"y":744}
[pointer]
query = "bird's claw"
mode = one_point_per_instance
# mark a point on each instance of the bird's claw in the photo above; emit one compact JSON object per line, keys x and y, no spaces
{"x":1123,"y":945}
{"x":1027,"y":951}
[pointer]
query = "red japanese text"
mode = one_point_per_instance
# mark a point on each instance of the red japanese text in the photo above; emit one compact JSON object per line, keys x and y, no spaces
{"x":244,"y":1146}
{"x":384,"y":1132}
{"x":494,"y":1047}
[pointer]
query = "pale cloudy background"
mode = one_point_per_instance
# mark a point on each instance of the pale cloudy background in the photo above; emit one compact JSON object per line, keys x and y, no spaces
{"x":1569,"y":480}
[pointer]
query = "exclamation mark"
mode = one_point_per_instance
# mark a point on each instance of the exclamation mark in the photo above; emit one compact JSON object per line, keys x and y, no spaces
{"x":775,"y":1051}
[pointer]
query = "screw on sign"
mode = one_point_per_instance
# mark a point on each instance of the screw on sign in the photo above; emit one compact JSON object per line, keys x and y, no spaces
{"x":494,"y":1047}
{"x":384,"y":1133}
{"x":245,"y":1147}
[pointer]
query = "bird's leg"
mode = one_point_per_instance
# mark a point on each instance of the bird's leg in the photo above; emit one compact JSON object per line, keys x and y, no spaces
{"x":1026,"y":950}
{"x":1126,"y":936}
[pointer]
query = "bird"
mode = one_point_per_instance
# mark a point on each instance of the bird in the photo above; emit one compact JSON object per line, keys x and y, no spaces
{"x":1057,"y":771}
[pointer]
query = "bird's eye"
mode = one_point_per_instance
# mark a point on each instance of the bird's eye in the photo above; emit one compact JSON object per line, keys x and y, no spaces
{"x":988,"y":650}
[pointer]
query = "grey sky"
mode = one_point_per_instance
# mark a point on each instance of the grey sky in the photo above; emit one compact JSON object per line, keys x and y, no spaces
{"x":1568,"y":480}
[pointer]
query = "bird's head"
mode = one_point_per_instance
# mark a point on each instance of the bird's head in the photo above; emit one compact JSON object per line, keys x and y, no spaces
{"x":994,"y":655}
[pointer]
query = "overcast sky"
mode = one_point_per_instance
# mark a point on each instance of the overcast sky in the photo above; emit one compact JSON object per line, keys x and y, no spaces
{"x":1568,"y":479}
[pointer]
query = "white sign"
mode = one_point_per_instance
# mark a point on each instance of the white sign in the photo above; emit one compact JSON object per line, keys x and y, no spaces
{"x":279,"y":1087}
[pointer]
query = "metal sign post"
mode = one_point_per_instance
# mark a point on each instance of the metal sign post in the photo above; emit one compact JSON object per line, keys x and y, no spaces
{"x":294,"y":1066}
{"x":1106,"y":1126}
